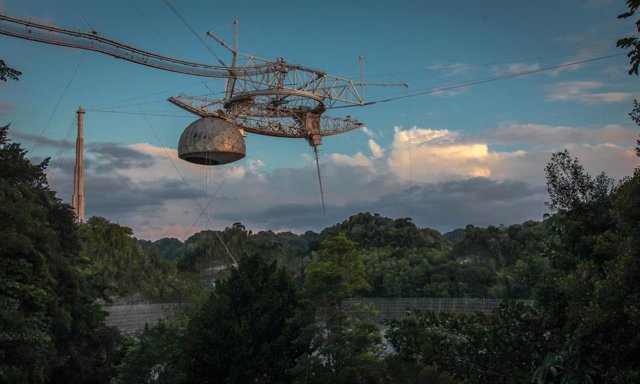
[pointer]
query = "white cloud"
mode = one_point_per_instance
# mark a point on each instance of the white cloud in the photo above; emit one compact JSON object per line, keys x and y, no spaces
{"x":434,"y":155}
{"x":450,"y":92}
{"x":540,"y":134}
{"x":376,"y":149}
{"x":427,"y":155}
{"x":439,"y":177}
{"x":453,"y":69}
{"x":516,"y":68}
{"x":358,"y":160}
{"x":253,"y":164}
{"x":368,"y":132}
{"x":582,"y":92}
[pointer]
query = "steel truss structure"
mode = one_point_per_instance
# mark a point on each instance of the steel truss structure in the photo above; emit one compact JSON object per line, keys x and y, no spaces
{"x":266,"y":97}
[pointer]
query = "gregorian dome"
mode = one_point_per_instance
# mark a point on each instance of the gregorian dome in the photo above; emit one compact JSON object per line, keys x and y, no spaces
{"x":211,"y":141}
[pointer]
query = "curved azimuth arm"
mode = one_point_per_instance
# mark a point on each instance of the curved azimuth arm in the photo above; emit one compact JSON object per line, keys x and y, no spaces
{"x":256,"y":74}
{"x":28,"y":30}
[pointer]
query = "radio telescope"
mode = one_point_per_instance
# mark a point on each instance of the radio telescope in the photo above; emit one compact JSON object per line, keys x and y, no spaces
{"x":262,"y":96}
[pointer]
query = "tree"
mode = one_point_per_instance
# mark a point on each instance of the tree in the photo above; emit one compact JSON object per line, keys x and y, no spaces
{"x":51,"y":329}
{"x":588,"y":296}
{"x":243,"y":333}
{"x":635,"y":116}
{"x":337,"y":273}
{"x":343,"y":348}
{"x":569,"y":186}
{"x":632,"y":42}
{"x":8,"y":73}
{"x":156,"y":355}
{"x":118,"y":266}
{"x":503,"y":347}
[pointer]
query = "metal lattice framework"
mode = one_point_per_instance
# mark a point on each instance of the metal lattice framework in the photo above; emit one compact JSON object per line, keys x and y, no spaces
{"x":266,"y":97}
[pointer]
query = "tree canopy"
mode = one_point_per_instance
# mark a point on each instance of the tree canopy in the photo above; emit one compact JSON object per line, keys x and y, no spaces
{"x":51,"y":329}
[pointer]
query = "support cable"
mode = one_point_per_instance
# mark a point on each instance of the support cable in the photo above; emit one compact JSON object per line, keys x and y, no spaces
{"x":200,"y":39}
{"x":452,"y":67}
{"x":66,"y":88}
{"x":110,"y":104}
{"x":81,"y":15}
{"x":480,"y":81}
{"x":143,"y":113}
{"x":202,"y":212}
{"x":315,"y":152}
{"x":157,"y":31}
{"x":184,"y":180}
{"x":55,"y":159}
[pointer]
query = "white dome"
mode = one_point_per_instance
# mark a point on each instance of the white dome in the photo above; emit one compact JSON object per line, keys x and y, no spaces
{"x":211,"y":141}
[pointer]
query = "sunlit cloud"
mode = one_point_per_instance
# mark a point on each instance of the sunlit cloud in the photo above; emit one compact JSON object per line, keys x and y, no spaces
{"x":376,"y":149}
{"x":442,"y":178}
{"x":358,"y":159}
{"x":582,"y":92}
{"x":254,"y":164}
{"x":436,"y":155}
{"x":368,"y":132}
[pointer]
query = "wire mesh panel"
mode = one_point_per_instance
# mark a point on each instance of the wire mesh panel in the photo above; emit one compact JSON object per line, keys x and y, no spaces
{"x":131,"y":319}
{"x":398,"y":307}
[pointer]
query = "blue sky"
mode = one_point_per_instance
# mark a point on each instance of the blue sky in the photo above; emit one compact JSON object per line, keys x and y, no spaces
{"x":469,"y":155}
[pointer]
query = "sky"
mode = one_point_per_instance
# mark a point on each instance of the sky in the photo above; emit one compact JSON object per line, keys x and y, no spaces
{"x":447,"y":158}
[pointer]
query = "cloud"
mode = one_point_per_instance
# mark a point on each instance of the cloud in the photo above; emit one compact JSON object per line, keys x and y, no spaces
{"x":450,"y":92}
{"x":453,"y":68}
{"x":435,"y":155}
{"x":253,"y":164}
{"x":368,"y":132}
{"x":355,"y":160}
{"x":107,"y":157}
{"x":572,"y":65}
{"x":540,"y":134}
{"x":376,"y":150}
{"x":581,"y":92}
{"x":428,"y":155}
{"x":42,"y":140}
{"x":444,"y":206}
{"x":515,"y":68}
{"x":441,"y":178}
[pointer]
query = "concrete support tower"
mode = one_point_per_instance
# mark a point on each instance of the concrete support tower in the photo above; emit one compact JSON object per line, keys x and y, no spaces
{"x":78,"y":171}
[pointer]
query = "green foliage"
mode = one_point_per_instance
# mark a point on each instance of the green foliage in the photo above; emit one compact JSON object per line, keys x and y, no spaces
{"x":504,"y":347}
{"x":341,"y":255}
{"x":591,"y":296}
{"x":347,"y":351}
{"x":454,"y":236}
{"x":343,"y":349}
{"x":51,"y":330}
{"x":375,"y":231}
{"x":169,"y":248}
{"x":569,"y":186}
{"x":118,"y":266}
{"x":156,"y":356}
{"x":635,"y":116}
{"x":243,"y":331}
{"x":631,"y":42}
{"x":8,"y":73}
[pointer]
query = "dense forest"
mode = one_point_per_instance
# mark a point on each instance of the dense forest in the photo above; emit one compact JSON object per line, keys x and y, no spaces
{"x":267,"y":307}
